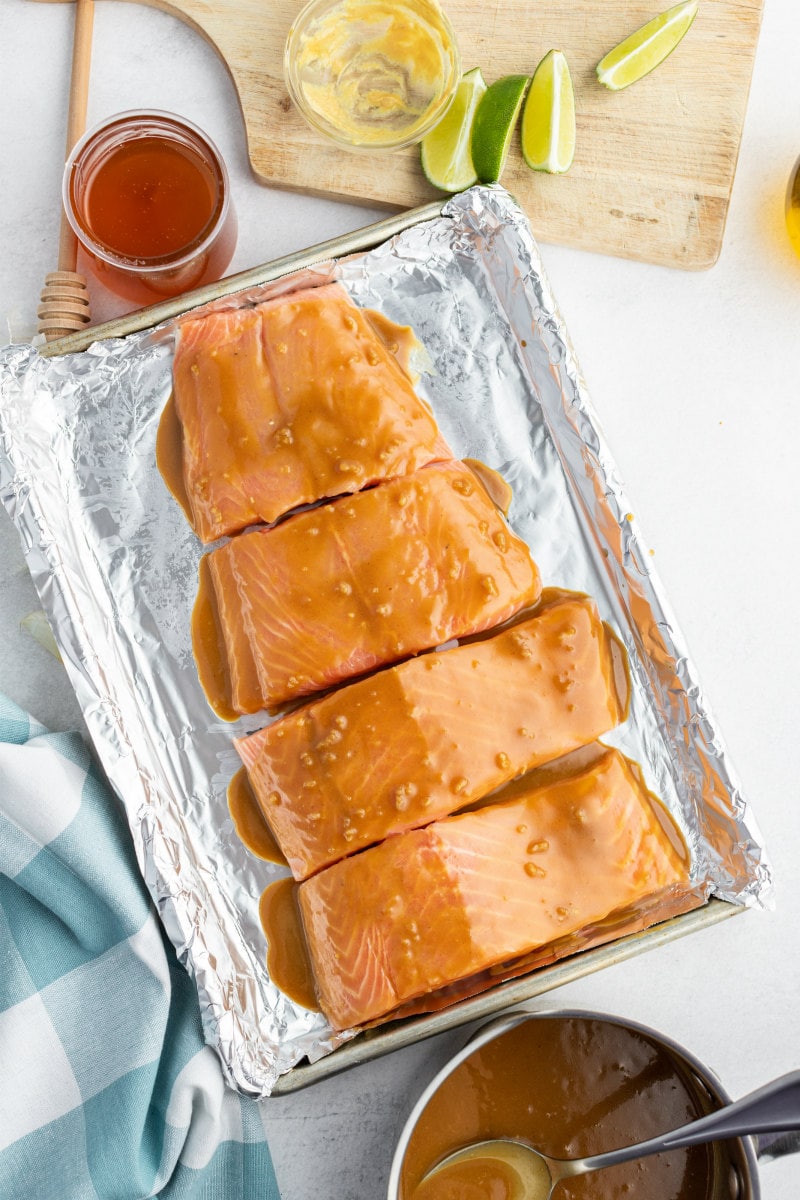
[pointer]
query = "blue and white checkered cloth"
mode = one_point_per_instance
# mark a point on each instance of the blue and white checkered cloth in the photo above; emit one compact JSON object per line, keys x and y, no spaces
{"x":107,"y":1091}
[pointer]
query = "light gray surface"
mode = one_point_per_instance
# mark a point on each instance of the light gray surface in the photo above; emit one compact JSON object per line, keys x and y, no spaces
{"x":28,"y":672}
{"x":696,"y":379}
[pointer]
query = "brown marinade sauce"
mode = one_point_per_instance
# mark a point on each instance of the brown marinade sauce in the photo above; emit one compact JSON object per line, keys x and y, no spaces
{"x":209,"y":648}
{"x":251,"y":826}
{"x":169,"y":455}
{"x":571,"y":1086}
{"x":288,"y":963}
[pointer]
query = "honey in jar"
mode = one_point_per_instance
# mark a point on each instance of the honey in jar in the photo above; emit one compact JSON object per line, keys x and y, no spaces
{"x":148,"y":197}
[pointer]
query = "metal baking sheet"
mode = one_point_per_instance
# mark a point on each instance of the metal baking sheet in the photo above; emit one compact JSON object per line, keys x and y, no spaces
{"x":115,"y":564}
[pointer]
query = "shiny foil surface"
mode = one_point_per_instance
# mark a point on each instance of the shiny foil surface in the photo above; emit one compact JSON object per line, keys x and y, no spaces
{"x":115,"y":564}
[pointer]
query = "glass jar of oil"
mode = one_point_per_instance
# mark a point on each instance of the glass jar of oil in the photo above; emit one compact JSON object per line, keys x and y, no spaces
{"x":793,"y":207}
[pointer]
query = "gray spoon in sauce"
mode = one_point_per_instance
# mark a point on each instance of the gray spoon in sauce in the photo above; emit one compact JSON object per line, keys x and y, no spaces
{"x":772,"y":1108}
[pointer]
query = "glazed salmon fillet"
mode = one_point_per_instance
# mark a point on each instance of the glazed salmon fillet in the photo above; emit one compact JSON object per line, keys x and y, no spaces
{"x":422,"y":739}
{"x":362,"y":582}
{"x":290,"y":402}
{"x":436,"y":905}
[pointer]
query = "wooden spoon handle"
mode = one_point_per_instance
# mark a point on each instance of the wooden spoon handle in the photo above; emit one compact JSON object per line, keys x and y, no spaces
{"x":76,"y":115}
{"x":64,"y":304}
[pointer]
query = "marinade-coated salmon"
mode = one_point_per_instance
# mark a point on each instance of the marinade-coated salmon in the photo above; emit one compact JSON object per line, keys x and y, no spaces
{"x":290,"y":402}
{"x":364,"y":581}
{"x":422,"y":739}
{"x":435,"y":905}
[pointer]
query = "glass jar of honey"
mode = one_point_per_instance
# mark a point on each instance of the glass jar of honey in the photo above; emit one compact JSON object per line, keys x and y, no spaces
{"x":372,"y":74}
{"x":148,"y":197}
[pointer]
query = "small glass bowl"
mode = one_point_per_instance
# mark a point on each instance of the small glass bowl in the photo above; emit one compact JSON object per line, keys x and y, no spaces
{"x":372,"y":74}
{"x":204,"y":253}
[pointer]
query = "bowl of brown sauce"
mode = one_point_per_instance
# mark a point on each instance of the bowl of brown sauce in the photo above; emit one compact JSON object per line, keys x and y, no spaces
{"x":571,"y":1083}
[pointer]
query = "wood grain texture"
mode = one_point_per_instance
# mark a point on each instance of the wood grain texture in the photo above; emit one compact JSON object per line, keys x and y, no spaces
{"x":654,"y":164}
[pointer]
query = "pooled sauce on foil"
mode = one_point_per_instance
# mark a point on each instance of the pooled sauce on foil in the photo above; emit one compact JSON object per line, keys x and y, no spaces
{"x":287,"y":954}
{"x":399,"y":340}
{"x":169,"y":454}
{"x":208,"y":647}
{"x":249,"y":821}
{"x":661,"y":813}
{"x":499,"y":491}
{"x":569,"y":1086}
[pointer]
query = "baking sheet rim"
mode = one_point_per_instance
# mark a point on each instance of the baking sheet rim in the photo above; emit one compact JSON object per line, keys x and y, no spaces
{"x":365,"y":238}
{"x":374,"y":1044}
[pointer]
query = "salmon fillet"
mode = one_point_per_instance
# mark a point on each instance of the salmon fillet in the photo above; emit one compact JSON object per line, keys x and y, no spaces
{"x":420,"y":740}
{"x":290,"y":402}
{"x":364,"y":581}
{"x":436,"y":905}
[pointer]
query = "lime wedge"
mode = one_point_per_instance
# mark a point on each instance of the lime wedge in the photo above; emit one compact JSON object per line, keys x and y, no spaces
{"x":444,"y":152}
{"x":548,"y":118}
{"x":640,"y":53}
{"x":495,"y":118}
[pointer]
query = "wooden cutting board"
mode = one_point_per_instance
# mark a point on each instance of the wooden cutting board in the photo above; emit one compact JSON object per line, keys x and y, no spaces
{"x":654,"y":164}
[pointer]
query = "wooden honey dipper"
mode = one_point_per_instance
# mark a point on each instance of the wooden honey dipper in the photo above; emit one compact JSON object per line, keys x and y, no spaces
{"x":64,"y":304}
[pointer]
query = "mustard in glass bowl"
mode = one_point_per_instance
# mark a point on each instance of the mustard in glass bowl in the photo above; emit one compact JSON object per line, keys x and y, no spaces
{"x":372,"y":74}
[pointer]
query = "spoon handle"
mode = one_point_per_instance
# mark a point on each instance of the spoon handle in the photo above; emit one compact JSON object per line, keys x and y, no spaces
{"x":773,"y":1107}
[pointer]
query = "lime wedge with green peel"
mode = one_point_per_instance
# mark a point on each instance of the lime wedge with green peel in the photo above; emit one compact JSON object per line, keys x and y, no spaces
{"x":640,"y":53}
{"x":445,"y":151}
{"x":493,"y":125}
{"x":548,"y":118}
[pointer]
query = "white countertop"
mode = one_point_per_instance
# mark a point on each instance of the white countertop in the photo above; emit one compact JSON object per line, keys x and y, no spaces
{"x":696,"y":378}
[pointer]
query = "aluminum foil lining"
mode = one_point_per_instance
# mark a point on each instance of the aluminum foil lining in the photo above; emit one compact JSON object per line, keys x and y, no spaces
{"x":115,"y":565}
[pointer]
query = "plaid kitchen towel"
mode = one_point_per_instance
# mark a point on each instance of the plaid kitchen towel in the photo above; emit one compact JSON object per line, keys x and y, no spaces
{"x":106,"y":1087}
